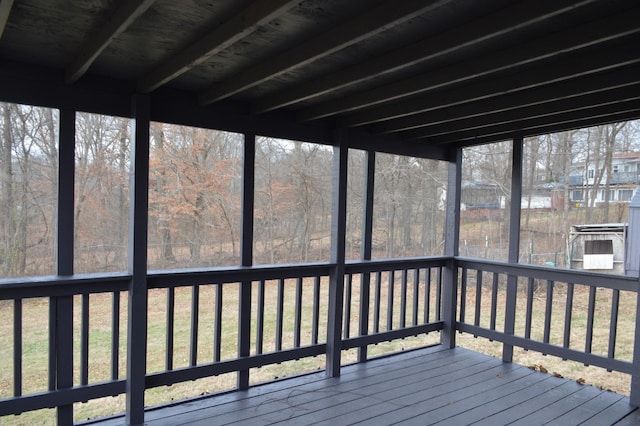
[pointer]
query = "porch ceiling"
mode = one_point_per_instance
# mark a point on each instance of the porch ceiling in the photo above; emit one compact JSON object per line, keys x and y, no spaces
{"x":434,"y":72}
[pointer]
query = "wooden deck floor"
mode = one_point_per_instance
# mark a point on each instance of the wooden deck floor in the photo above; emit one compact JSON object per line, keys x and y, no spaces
{"x":429,"y":386}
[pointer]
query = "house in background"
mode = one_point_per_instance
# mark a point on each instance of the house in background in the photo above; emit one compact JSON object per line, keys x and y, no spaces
{"x":625,"y":177}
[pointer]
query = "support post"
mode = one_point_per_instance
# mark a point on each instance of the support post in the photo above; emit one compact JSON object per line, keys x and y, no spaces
{"x":632,"y":269}
{"x":634,"y":394}
{"x":62,"y":306}
{"x":514,"y":244}
{"x":336,"y":279}
{"x":451,"y":244}
{"x":246,"y":254}
{"x":138,"y":227}
{"x":365,"y":254}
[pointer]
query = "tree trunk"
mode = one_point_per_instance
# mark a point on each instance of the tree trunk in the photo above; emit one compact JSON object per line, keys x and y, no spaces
{"x":7,"y":224}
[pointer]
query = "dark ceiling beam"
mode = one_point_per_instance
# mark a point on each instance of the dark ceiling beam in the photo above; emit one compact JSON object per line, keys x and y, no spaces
{"x":391,"y":144}
{"x":517,"y":113}
{"x":5,"y":10}
{"x":126,"y":13}
{"x":545,"y":129}
{"x":570,"y":66}
{"x":465,"y":36}
{"x":598,"y":114}
{"x":617,"y":26}
{"x":624,"y":76}
{"x":380,"y":18}
{"x":552,"y":128}
{"x":222,"y":36}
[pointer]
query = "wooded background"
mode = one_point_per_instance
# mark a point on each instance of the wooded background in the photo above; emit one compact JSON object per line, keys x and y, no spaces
{"x":195,"y":193}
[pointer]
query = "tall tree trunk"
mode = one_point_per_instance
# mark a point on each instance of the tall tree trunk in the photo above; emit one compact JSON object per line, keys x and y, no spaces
{"x":121,"y":214}
{"x":7,"y":223}
{"x":166,"y":244}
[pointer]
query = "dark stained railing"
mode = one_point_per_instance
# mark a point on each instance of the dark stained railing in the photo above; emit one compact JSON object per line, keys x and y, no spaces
{"x":557,"y":311}
{"x":286,"y":317}
{"x":397,"y":299}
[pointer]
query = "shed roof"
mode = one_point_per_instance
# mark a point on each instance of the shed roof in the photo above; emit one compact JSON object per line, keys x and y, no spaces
{"x":600,"y":227}
{"x":439,"y":73}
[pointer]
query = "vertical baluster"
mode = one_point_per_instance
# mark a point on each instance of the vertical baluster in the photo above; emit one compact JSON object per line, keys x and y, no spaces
{"x":529,"y":313}
{"x":260,"y":318}
{"x":494,"y":300}
{"x":298,"y":321}
{"x":613,"y":324}
{"x":548,"y":311}
{"x":390,"y":297}
{"x":567,"y":316}
{"x":279,"y":314}
{"x":427,"y":295}
{"x":115,"y":335}
{"x":171,"y":296}
{"x":403,"y":300}
{"x":347,"y":306}
{"x":217,"y":341}
{"x":195,"y":315}
{"x":53,"y":341}
{"x":363,"y":327}
{"x":416,"y":294}
{"x":316,"y":310}
{"x":590,"y":319}
{"x":476,"y":319}
{"x":439,"y":294}
{"x":376,"y":310}
{"x":84,"y":341}
{"x":463,"y":294}
{"x":17,"y":347}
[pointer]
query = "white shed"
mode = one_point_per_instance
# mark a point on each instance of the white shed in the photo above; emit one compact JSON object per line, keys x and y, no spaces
{"x":598,"y":247}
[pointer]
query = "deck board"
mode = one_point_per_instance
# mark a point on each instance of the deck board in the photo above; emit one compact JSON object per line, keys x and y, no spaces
{"x":427,"y":386}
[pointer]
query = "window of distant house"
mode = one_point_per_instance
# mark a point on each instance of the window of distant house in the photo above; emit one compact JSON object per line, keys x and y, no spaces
{"x":615,"y":169}
{"x":591,"y":173}
{"x":625,"y":194}
{"x":577,"y":195}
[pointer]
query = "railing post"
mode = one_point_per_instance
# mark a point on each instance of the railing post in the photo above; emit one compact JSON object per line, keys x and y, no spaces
{"x":634,"y":395}
{"x":365,"y":254}
{"x":138,"y":224}
{"x":336,"y":278}
{"x":62,"y":307}
{"x":514,"y":244}
{"x":246,"y":254}
{"x":451,"y":243}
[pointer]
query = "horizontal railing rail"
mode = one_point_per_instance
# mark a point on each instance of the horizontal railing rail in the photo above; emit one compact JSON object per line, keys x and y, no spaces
{"x":54,"y":285}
